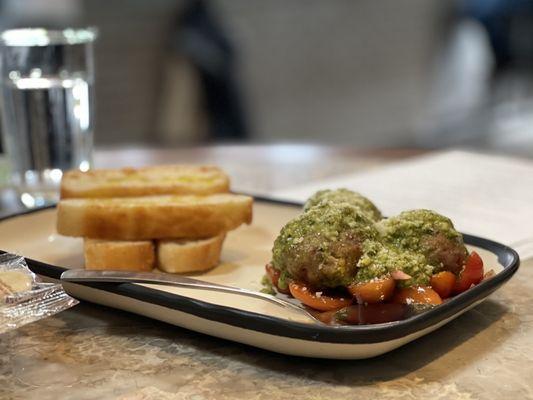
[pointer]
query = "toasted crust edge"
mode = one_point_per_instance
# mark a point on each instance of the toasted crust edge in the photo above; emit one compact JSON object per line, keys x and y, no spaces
{"x":119,"y":255}
{"x":127,"y":221}
{"x":68,"y":189}
{"x":179,"y":256}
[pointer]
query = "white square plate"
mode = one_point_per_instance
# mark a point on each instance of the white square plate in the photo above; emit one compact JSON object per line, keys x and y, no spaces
{"x":243,"y":319}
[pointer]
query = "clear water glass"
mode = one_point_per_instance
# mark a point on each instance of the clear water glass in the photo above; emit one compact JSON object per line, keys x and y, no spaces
{"x":47,"y":79}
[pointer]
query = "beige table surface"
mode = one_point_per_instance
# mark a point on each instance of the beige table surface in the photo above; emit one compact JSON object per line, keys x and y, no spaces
{"x":92,"y":352}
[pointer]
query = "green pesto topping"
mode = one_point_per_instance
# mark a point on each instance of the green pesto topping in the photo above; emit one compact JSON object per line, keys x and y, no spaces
{"x":335,"y":244}
{"x":283,"y":280}
{"x":268,"y":287}
{"x":379,"y":260}
{"x":321,"y":246}
{"x":341,"y":315}
{"x":406,"y":230}
{"x":332,"y":197}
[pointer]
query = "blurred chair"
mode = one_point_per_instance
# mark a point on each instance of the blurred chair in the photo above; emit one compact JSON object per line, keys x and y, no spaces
{"x":344,"y":72}
{"x":165,"y":70}
{"x":337,"y":71}
{"x":202,"y":52}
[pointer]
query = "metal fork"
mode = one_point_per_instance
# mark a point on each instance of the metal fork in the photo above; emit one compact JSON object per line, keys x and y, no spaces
{"x":83,"y":276}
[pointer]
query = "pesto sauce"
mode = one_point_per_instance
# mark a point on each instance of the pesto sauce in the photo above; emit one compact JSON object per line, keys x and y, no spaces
{"x":268,"y":287}
{"x":333,"y":197}
{"x":328,"y":222}
{"x":283,"y":280}
{"x":406,"y":230}
{"x":380,"y":260}
{"x":387,"y":245}
{"x":320,"y":230}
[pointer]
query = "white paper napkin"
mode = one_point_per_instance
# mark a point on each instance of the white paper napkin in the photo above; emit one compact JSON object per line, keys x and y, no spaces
{"x":485,"y":195}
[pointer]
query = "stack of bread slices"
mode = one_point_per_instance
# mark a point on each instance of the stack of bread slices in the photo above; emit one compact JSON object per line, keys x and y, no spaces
{"x":174,"y":218}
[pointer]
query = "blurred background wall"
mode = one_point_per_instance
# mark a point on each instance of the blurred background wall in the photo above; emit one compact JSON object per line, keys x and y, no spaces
{"x":417,"y":73}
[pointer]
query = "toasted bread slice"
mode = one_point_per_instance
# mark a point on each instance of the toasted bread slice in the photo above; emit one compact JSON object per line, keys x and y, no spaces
{"x":148,"y":181}
{"x":153,"y":217}
{"x":119,"y":255}
{"x":179,"y":256}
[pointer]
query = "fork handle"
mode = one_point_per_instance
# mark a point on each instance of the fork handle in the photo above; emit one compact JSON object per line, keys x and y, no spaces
{"x":83,"y":276}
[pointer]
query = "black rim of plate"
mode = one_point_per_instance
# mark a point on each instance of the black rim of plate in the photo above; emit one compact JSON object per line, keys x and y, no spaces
{"x":356,"y":334}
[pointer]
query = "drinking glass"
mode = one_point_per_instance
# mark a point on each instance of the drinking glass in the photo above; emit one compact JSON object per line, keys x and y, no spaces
{"x":47,"y":79}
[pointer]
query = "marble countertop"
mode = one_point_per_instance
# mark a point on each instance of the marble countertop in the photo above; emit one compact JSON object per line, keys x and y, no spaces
{"x":93,"y":352}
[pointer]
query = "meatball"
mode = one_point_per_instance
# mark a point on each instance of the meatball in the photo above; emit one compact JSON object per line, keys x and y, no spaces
{"x":322,"y":246}
{"x":332,"y":197}
{"x":429,"y":233}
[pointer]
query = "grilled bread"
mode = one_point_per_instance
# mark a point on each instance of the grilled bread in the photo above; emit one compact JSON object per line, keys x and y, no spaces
{"x":148,"y":181}
{"x":153,"y":217}
{"x":180,"y":256}
{"x":119,"y":255}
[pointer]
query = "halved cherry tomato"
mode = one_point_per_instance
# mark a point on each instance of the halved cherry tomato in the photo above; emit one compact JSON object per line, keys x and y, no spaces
{"x":471,"y":274}
{"x":417,"y":294}
{"x":375,"y":291}
{"x":274,"y":274}
{"x":317,"y":300}
{"x":327,"y":317}
{"x":371,"y":313}
{"x":443,"y":283}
